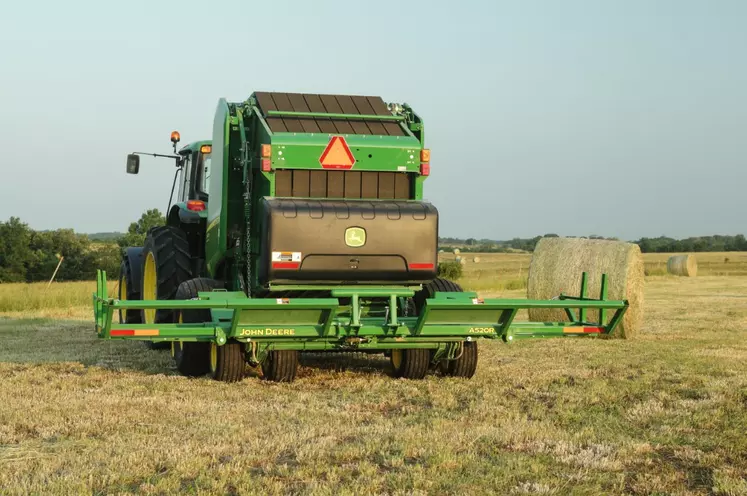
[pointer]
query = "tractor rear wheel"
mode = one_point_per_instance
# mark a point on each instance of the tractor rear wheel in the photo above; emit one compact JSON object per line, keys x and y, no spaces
{"x":280,"y":365}
{"x":466,"y":363}
{"x":227,"y":363}
{"x":193,"y":358}
{"x":166,"y":264}
{"x":128,"y":291}
{"x":411,"y":363}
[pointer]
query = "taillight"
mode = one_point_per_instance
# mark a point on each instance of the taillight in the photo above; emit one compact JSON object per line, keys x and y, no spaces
{"x":266,"y":165}
{"x":425,"y":155}
{"x":266,"y":151}
{"x":196,"y":205}
{"x":425,"y":169}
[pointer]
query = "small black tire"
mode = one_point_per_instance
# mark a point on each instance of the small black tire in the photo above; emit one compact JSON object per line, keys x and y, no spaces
{"x":227,"y":362}
{"x":193,"y":358}
{"x":465,"y":365}
{"x":410,"y":363}
{"x":280,"y":365}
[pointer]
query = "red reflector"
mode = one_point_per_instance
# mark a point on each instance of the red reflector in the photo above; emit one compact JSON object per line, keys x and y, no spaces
{"x":286,"y":265}
{"x":425,"y":169}
{"x":122,"y":332}
{"x":422,"y":266}
{"x":266,"y":165}
{"x":196,"y":205}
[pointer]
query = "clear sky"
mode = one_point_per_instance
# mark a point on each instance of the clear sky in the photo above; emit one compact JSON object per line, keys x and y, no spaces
{"x":619,"y":118}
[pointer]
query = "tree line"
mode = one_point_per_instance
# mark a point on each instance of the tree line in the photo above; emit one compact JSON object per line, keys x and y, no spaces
{"x":661,"y":244}
{"x":27,"y":255}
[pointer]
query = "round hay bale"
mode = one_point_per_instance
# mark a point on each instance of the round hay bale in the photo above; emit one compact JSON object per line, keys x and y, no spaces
{"x":476,"y":259}
{"x":456,"y":251}
{"x":683,"y":265}
{"x":556,"y":267}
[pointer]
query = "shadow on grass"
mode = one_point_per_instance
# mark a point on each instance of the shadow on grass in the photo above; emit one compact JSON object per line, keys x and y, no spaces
{"x":40,"y":341}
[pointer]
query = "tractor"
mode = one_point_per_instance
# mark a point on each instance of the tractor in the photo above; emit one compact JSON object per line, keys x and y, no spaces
{"x":301,"y":226}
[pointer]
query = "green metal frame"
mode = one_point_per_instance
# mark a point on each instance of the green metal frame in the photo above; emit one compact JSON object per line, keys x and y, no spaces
{"x":327,"y":324}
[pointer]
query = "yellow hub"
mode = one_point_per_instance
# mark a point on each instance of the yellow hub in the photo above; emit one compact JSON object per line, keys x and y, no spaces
{"x":213,"y":357}
{"x":150,"y":286}
{"x":397,"y":358}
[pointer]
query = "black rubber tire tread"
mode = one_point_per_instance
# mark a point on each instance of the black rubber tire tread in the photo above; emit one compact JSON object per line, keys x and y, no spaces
{"x":131,"y":316}
{"x":170,"y":250}
{"x":280,"y":366}
{"x":194,"y":358}
{"x":231,"y":363}
{"x":429,"y":291}
{"x":415,"y":364}
{"x":466,"y":365}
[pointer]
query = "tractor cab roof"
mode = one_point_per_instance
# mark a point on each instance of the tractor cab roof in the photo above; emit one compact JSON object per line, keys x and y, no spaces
{"x":194,"y":146}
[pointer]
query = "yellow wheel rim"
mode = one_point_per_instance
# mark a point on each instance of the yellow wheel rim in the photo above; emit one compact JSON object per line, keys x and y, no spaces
{"x":123,"y":297}
{"x":397,"y":358}
{"x":213,"y":357}
{"x":150,"y":284}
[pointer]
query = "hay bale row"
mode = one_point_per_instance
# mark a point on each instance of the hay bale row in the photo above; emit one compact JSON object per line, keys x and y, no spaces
{"x":683,"y":265}
{"x":556,"y":267}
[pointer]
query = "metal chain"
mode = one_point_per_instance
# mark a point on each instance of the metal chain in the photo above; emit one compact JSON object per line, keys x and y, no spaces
{"x":248,"y":220}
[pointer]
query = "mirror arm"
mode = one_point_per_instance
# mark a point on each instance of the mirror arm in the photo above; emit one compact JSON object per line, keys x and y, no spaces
{"x":173,"y":187}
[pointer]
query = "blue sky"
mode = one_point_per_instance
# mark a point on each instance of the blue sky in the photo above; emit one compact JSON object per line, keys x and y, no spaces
{"x":618,"y":118}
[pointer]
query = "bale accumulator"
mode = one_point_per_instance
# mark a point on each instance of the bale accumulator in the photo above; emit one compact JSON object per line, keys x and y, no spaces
{"x":555,"y":266}
{"x":683,"y":265}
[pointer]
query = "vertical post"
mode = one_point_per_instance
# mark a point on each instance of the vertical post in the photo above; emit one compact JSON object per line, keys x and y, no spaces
{"x":582,"y":310}
{"x":393,"y":311}
{"x":603,"y":297}
{"x":355,"y":310}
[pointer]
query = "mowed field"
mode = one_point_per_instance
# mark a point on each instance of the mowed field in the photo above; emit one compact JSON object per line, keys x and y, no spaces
{"x":665,"y":413}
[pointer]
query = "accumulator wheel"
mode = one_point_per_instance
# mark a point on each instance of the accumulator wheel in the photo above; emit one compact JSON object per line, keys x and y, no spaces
{"x":466,"y":363}
{"x":193,"y":358}
{"x":166,"y":264}
{"x":410,"y":363}
{"x":227,"y":363}
{"x":280,"y":365}
{"x":128,"y":291}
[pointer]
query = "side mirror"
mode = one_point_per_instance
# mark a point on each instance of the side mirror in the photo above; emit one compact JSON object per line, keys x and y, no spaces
{"x":133,"y":164}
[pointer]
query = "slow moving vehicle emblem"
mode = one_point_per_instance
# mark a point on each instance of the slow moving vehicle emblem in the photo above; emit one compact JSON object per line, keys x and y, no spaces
{"x":355,"y":237}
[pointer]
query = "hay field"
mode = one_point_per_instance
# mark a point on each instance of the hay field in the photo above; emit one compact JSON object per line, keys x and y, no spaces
{"x":662,"y":414}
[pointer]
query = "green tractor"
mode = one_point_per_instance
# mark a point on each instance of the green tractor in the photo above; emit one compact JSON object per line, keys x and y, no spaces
{"x":302,"y":227}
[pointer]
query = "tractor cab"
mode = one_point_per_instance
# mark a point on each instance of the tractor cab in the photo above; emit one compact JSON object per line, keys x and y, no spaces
{"x":194,"y":182}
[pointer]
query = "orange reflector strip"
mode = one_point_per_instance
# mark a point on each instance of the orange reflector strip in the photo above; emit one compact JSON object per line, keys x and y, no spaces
{"x":134,"y":332}
{"x":583,"y":330}
{"x":425,"y":155}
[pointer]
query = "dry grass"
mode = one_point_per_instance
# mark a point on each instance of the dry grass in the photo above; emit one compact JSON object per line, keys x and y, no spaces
{"x":662,"y":414}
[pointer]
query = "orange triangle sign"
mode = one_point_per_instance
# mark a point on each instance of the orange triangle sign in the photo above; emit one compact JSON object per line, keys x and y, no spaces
{"x":337,"y":155}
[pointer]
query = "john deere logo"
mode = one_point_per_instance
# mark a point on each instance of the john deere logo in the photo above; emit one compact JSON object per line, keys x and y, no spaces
{"x":355,"y":236}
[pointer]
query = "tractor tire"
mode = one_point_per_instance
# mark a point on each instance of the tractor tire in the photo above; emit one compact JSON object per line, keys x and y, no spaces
{"x":410,"y":363}
{"x":193,"y":358}
{"x":280,"y":366}
{"x":128,"y":291}
{"x":166,"y":264}
{"x":227,"y":362}
{"x":429,"y":291}
{"x":465,"y":365}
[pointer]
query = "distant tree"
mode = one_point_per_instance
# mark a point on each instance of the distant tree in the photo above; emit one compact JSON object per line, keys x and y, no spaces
{"x":137,"y":231}
{"x":15,"y":253}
